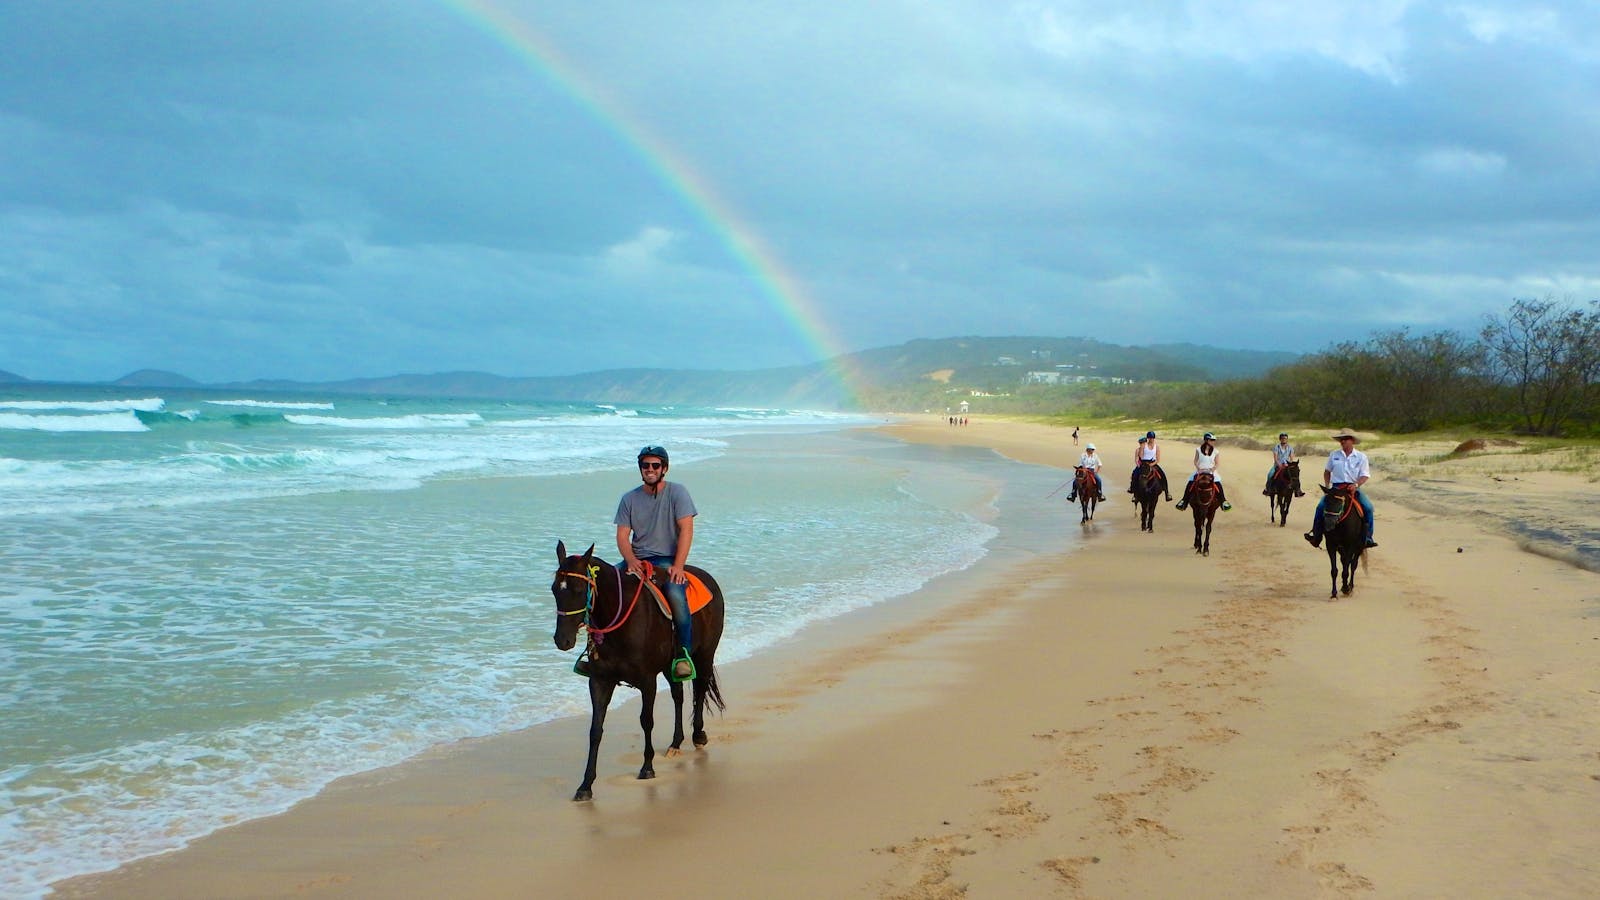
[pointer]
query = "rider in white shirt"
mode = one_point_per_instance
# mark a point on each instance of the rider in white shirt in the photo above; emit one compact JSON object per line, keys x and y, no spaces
{"x":1205,"y":460}
{"x":1346,"y":466}
{"x":1148,"y":452}
{"x":1089,"y":460}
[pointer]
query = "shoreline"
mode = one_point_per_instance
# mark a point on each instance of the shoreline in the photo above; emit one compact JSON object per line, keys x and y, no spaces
{"x":1123,"y":720}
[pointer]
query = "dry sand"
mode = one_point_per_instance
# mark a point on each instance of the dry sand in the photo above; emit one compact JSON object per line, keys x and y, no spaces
{"x":1129,"y":720}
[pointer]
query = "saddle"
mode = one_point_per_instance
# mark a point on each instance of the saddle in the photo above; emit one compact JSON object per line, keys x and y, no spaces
{"x":699,"y":594}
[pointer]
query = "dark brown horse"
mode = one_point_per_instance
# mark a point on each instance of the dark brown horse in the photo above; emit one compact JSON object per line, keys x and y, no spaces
{"x":1283,"y":487}
{"x":1148,"y":486}
{"x":1346,"y":535}
{"x":1087,"y":490}
{"x":632,"y":643}
{"x":1205,"y":498}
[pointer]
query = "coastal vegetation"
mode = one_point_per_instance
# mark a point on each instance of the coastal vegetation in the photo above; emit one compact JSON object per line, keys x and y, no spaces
{"x":1534,"y":370}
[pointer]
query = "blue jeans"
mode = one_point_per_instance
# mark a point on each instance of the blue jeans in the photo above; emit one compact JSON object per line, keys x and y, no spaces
{"x":1366,"y":507}
{"x":677,"y":598}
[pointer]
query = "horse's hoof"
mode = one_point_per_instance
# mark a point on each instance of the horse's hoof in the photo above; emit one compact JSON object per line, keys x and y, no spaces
{"x":646,"y":774}
{"x":700,"y":739}
{"x":670,"y":752}
{"x":583,"y":794}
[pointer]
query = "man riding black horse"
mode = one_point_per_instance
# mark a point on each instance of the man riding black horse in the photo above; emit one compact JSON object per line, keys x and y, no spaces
{"x":1347,"y":468}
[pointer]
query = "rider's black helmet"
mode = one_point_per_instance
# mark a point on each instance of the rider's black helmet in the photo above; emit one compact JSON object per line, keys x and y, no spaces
{"x":655,"y":450}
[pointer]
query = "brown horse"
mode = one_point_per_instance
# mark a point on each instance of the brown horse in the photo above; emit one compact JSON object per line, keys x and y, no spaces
{"x":1205,"y":498}
{"x":1087,"y":489}
{"x":1346,"y":535}
{"x":1282,"y":489}
{"x":1148,"y":486}
{"x":630,"y":643}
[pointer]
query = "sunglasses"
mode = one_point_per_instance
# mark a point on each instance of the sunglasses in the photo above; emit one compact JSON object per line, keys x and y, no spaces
{"x":651,"y":465}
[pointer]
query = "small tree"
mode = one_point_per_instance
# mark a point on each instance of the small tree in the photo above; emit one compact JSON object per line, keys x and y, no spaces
{"x":1548,"y":354}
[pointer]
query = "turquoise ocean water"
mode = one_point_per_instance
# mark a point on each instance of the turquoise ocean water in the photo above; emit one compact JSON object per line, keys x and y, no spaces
{"x":211,"y":606}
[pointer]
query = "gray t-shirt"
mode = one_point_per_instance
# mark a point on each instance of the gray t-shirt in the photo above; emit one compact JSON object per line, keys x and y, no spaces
{"x":653,"y":518}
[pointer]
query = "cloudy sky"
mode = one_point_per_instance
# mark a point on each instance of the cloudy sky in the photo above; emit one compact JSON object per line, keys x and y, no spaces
{"x":337,"y":188}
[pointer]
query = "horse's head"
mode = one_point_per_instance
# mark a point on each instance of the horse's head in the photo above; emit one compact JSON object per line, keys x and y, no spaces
{"x":1292,"y":467}
{"x":1204,"y":477}
{"x":573,"y":587}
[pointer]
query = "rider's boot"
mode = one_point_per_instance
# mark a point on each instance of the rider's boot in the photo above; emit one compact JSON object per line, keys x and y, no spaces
{"x":1313,"y":539}
{"x":1184,"y":503}
{"x":1073,"y":497}
{"x":1224,"y":497}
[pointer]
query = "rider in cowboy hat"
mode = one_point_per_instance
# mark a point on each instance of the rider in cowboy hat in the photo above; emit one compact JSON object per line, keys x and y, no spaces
{"x":1346,"y":466}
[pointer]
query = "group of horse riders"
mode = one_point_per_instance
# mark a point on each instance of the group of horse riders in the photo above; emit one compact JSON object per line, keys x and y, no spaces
{"x":655,"y":521}
{"x":1347,"y":469}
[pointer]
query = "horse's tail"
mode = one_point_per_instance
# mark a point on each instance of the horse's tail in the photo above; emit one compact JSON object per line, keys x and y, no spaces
{"x":713,"y":692}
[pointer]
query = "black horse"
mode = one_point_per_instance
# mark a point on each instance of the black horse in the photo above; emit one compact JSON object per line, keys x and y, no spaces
{"x":1281,"y":491}
{"x":629,"y":643}
{"x":1346,"y":535}
{"x":1205,"y":498}
{"x":1087,"y":488}
{"x":1148,"y":486}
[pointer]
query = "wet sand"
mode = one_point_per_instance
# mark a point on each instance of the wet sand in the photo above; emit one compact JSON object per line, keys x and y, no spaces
{"x":1126,"y":720}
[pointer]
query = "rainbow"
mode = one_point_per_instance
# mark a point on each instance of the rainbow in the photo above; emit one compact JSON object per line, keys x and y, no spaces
{"x":776,"y":282}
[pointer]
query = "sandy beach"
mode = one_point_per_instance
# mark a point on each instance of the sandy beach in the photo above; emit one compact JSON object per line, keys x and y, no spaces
{"x":1125,"y":720}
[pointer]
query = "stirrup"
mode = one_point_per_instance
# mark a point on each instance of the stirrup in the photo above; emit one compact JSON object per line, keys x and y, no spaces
{"x":581,"y":665}
{"x":681,"y":658}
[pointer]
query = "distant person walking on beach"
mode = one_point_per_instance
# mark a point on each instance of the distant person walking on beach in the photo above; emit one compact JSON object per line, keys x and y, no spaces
{"x":1282,"y":455}
{"x":1074,"y":435}
{"x":655,"y":526}
{"x":1205,"y":460}
{"x":1149,"y":452}
{"x":1347,"y":466}
{"x":1091,"y":462}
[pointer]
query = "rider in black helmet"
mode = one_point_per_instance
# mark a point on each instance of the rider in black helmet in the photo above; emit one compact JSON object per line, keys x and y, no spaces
{"x":655,"y":525}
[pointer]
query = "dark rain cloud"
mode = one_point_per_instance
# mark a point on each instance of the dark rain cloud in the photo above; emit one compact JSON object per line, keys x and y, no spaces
{"x":317,"y":190}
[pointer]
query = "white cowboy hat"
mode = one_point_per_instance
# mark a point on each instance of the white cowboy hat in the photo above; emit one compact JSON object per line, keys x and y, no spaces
{"x":1088,"y":446}
{"x":1346,"y":433}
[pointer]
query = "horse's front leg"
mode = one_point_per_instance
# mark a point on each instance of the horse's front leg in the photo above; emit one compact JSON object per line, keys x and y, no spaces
{"x":599,"y":698}
{"x":1206,"y":551}
{"x":647,"y":722}
{"x":677,"y":720}
{"x":1333,"y":571}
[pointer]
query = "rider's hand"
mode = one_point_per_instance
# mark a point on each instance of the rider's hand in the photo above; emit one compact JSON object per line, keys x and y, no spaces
{"x":675,"y":573}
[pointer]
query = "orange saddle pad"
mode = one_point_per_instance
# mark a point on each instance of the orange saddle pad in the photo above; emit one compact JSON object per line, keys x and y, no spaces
{"x":699,"y":595}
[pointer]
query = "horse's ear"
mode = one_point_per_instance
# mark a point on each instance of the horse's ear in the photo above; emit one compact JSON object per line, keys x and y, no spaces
{"x":561,"y":553}
{"x":588,"y":554}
